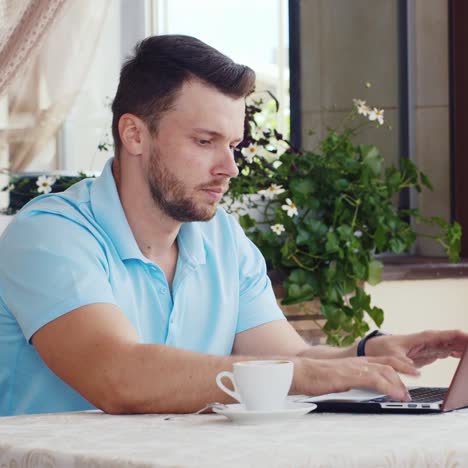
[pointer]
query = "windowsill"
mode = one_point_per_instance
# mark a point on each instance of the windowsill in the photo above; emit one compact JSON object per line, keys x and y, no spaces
{"x":412,"y":267}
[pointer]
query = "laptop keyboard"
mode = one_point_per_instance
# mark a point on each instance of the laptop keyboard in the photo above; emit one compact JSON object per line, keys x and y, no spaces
{"x":427,"y":395}
{"x":421,"y":395}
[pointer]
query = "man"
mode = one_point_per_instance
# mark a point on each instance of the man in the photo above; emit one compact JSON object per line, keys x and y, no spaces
{"x":131,"y":292}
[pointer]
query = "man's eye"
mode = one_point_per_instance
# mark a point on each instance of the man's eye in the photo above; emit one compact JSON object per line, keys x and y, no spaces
{"x":204,"y":142}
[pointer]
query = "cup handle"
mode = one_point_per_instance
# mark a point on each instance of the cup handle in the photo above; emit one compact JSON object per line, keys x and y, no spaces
{"x":220,"y":384}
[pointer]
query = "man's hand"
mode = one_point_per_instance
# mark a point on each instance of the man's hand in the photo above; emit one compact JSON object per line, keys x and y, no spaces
{"x":422,"y":348}
{"x":320,"y":376}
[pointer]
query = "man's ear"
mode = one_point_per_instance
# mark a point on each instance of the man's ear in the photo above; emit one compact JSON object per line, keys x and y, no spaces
{"x":131,"y":131}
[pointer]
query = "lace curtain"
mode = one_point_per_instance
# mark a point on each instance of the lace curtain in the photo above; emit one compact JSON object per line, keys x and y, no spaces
{"x":46,"y":47}
{"x":23,"y":26}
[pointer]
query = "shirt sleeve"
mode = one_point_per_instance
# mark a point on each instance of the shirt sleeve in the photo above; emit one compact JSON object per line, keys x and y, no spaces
{"x":50,"y":265}
{"x":257,"y":301}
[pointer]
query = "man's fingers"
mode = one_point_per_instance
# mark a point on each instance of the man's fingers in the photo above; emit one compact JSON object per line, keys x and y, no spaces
{"x":380,"y":374}
{"x":339,"y":375}
{"x":453,"y":339}
{"x":400,"y":364}
{"x":430,"y":355}
{"x":428,"y":346}
{"x":415,"y":350}
{"x":385,"y":380}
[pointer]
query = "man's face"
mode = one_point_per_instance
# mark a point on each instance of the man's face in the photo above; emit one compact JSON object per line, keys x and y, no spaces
{"x":191,"y":157}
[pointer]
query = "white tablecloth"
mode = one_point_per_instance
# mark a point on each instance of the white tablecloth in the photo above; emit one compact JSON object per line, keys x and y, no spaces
{"x":326,"y":440}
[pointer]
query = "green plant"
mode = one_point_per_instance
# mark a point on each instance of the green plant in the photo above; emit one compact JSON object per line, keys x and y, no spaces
{"x":320,"y":217}
{"x":24,"y":187}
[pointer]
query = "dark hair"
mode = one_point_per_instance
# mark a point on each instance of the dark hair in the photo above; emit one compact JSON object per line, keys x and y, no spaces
{"x":151,"y":79}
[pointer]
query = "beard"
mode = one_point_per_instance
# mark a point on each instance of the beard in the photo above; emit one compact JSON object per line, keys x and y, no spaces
{"x":170,"y":194}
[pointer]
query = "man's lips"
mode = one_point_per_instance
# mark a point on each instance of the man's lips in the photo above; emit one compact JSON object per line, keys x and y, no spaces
{"x":215,"y":189}
{"x":215,"y":192}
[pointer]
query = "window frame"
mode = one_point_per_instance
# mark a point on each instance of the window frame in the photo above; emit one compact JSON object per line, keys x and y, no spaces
{"x":413,"y":266}
{"x":458,"y":69}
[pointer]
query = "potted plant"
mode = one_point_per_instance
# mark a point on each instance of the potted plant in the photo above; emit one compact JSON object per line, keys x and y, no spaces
{"x":23,"y":187}
{"x":321,"y":217}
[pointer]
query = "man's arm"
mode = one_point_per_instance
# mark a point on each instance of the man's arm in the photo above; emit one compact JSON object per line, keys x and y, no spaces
{"x":96,"y":351}
{"x":279,"y":337}
{"x":422,"y":348}
{"x":415,"y":350}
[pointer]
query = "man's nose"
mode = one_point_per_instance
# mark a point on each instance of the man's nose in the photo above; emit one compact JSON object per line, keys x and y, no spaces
{"x":228,"y":166}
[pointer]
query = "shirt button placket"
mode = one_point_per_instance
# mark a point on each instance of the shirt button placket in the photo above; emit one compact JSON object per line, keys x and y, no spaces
{"x":163,"y":290}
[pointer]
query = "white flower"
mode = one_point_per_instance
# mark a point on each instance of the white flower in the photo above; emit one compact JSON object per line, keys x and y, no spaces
{"x":249,"y":152}
{"x":358,"y":233}
{"x":257,"y":134}
{"x":263,"y":153}
{"x":368,"y":84}
{"x":272,"y":151}
{"x":260,"y":132}
{"x":271,"y":191}
{"x":377,"y":114}
{"x":363,"y":110}
{"x":281,"y":147}
{"x":237,"y":207}
{"x":277,"y":228}
{"x":44,"y":183}
{"x":290,"y":208}
{"x":361,"y":107}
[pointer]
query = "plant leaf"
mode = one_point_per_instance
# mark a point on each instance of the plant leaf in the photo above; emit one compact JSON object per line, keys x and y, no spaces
{"x":372,"y":158}
{"x":375,"y":272}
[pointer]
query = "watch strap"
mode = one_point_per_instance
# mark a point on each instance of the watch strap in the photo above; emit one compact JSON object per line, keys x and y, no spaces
{"x":361,"y":347}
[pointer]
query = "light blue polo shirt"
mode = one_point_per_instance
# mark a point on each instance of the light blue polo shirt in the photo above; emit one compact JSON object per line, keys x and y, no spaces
{"x":66,"y":250}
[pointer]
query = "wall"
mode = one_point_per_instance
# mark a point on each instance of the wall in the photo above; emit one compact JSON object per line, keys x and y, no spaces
{"x":431,"y":113}
{"x":411,"y":306}
{"x":346,"y":44}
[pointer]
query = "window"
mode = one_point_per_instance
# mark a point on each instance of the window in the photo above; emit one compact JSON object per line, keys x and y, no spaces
{"x":88,"y":123}
{"x":252,"y":32}
{"x":400,"y":49}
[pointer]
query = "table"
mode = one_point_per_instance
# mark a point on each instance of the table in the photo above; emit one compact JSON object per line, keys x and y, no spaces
{"x":95,"y":439}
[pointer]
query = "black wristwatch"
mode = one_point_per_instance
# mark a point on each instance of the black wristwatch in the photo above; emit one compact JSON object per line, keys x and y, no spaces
{"x":361,"y":347}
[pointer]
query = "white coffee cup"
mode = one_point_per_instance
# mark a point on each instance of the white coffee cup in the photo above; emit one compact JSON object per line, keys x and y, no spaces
{"x":259,"y":385}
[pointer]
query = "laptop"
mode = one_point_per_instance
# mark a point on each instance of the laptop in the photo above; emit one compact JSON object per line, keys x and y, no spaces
{"x":424,"y":399}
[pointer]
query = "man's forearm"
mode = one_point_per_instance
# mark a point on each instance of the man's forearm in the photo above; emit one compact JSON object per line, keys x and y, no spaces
{"x":328,"y":352}
{"x":162,"y":379}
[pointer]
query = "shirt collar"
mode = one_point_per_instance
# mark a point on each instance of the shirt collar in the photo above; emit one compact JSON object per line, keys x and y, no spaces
{"x":191,"y":244}
{"x":109,"y":213}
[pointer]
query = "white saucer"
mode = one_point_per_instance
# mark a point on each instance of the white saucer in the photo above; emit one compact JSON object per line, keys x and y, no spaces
{"x":238,"y":414}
